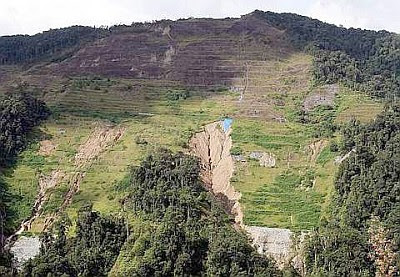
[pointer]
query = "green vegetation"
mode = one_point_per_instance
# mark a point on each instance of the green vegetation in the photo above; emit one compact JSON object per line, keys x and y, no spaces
{"x":68,"y":129}
{"x":327,"y":154}
{"x":302,"y":146}
{"x":178,"y":230}
{"x":182,"y":232}
{"x":19,"y":114}
{"x":361,"y":59}
{"x":49,"y":45}
{"x":91,"y":252}
{"x":284,"y":196}
{"x":289,"y":202}
{"x":353,"y":105}
{"x":360,"y":235}
{"x":171,"y":225}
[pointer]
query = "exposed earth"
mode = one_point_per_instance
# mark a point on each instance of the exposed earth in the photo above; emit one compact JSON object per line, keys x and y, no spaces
{"x":173,"y":84}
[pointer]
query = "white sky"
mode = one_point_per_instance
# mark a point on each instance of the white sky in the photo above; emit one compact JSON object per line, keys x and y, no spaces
{"x":32,"y":16}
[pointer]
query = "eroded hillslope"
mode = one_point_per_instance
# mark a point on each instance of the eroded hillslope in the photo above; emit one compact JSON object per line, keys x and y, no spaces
{"x":162,"y":82}
{"x":213,"y":146}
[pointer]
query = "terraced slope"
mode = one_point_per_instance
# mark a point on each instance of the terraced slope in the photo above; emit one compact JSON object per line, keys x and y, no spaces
{"x":193,"y":52}
{"x":161,"y":83}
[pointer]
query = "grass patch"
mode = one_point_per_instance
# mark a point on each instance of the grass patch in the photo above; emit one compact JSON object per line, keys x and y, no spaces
{"x":325,"y":156}
{"x":284,"y":203}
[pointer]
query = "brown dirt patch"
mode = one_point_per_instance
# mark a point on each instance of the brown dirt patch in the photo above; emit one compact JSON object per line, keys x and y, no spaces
{"x":47,"y":147}
{"x":315,"y":149}
{"x":213,"y":146}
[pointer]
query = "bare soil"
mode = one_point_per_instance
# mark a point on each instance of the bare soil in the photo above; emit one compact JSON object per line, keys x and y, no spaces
{"x":46,"y":147}
{"x":316,"y":148}
{"x":213,"y":146}
{"x":323,"y":97}
{"x":98,"y":141}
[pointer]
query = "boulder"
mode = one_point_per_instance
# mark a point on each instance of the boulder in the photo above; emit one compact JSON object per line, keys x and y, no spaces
{"x":265,"y":159}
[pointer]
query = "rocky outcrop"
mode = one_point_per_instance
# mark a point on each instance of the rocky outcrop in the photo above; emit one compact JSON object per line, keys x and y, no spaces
{"x":274,"y":242}
{"x":265,"y":159}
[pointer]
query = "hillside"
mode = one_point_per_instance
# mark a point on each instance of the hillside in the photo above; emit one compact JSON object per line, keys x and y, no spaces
{"x":286,"y":84}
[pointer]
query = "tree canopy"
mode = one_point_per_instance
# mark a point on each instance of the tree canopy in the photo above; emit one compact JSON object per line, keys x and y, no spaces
{"x":361,"y":236}
{"x":183,"y":231}
{"x":362,"y":59}
{"x":49,"y":45}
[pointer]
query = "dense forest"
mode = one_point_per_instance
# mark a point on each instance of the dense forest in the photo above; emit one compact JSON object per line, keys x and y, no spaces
{"x":361,"y":237}
{"x":51,"y":45}
{"x":186,"y":233}
{"x":19,"y":113}
{"x":178,"y":230}
{"x":361,"y":59}
{"x":169,"y":225}
{"x":92,"y":251}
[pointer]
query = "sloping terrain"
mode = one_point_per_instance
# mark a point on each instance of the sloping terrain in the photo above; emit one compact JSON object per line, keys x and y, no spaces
{"x":194,"y":52}
{"x":168,"y":84}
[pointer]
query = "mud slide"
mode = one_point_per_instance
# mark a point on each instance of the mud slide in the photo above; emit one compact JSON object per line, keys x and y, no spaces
{"x":212,"y":146}
{"x":46,"y":147}
{"x":316,"y":148}
{"x":101,"y":138}
{"x":45,"y":183}
{"x":97,"y":142}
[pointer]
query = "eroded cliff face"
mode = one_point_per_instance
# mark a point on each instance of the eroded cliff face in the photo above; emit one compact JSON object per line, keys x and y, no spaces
{"x":213,"y":146}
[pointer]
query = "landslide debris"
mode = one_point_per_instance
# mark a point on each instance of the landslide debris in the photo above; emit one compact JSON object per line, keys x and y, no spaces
{"x":46,"y":147}
{"x":265,"y":159}
{"x":213,"y":146}
{"x":98,"y":141}
{"x":324,"y":97}
{"x":316,"y":148}
{"x":24,"y":249}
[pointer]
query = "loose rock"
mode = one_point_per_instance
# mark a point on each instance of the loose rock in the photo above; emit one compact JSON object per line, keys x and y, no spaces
{"x":25,"y":248}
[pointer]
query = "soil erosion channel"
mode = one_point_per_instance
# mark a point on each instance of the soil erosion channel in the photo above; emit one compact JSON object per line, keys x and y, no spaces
{"x":213,"y":146}
{"x":98,"y":141}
